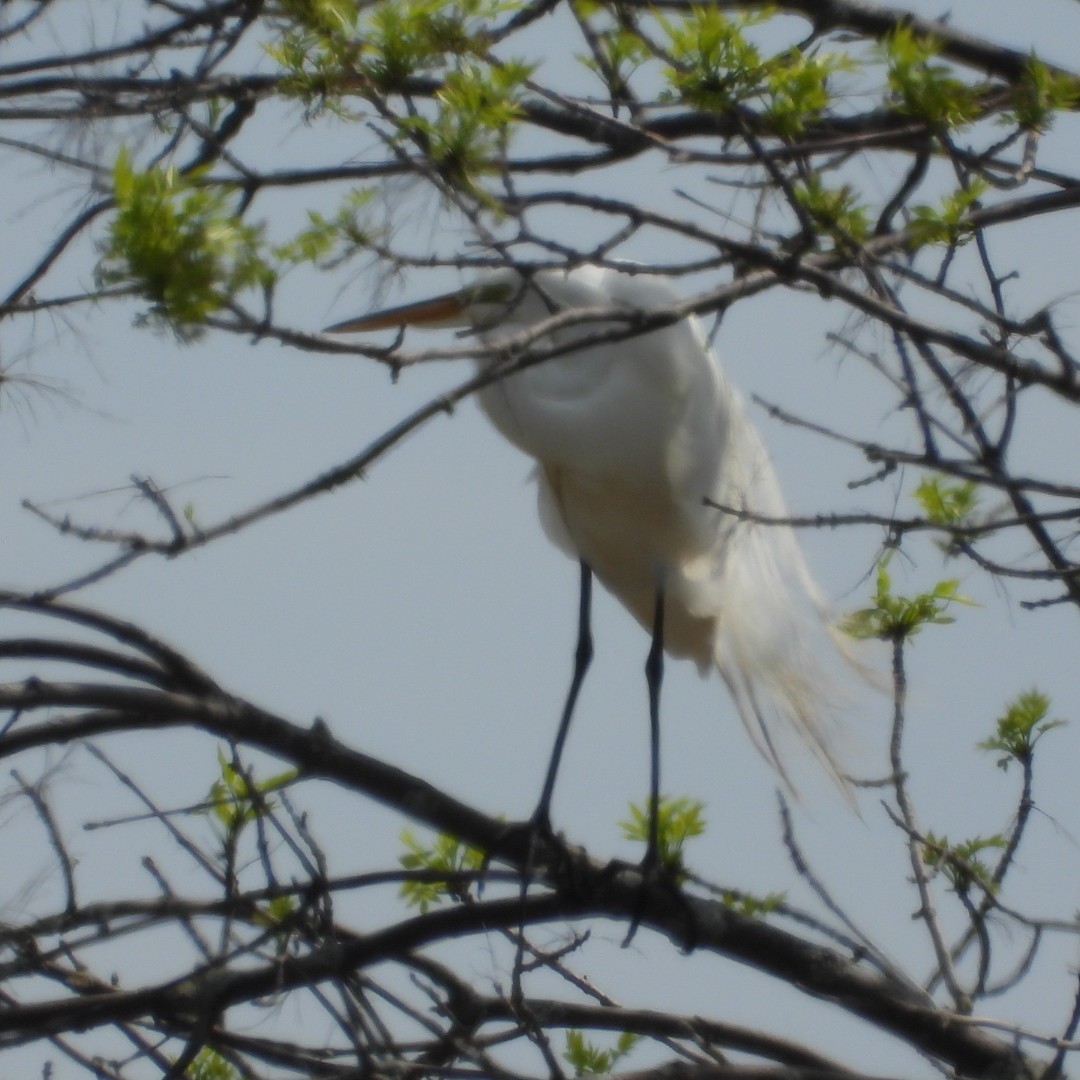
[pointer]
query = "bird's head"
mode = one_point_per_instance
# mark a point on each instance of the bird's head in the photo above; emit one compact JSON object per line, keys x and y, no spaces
{"x":481,"y":304}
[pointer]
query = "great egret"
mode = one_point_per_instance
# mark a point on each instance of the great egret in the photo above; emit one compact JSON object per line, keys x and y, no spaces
{"x":644,"y":449}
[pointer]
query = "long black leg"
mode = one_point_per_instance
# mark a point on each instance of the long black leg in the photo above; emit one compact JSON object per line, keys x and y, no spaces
{"x":540,"y":825}
{"x":651,"y":869}
{"x":582,"y":658}
{"x":654,"y":676}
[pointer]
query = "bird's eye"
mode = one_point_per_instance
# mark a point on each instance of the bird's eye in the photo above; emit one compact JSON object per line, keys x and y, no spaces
{"x":493,"y":293}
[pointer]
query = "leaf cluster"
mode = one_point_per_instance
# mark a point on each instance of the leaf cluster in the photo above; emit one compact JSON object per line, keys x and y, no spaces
{"x":715,"y":66}
{"x":1039,"y":95}
{"x":210,"y":1065}
{"x":961,"y":863}
{"x":952,"y":504}
{"x":749,"y":905}
{"x":474,"y":115}
{"x":1023,"y":724}
{"x":947,"y":502}
{"x":836,"y":211}
{"x":948,"y":222}
{"x":331,"y":49}
{"x":588,"y":1059}
{"x":402,"y":40}
{"x":445,"y":855}
{"x":924,"y":87}
{"x":678,"y":819}
{"x":329,"y":241}
{"x":180,"y":244}
{"x":236,"y":799}
{"x":176,"y":240}
{"x":897,"y":618}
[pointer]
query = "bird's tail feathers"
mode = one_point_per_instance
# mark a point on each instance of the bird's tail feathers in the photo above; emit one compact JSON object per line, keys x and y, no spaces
{"x":803,"y":699}
{"x":781,"y":654}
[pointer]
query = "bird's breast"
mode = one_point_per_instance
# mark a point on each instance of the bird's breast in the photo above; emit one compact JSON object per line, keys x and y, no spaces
{"x":615,"y":522}
{"x":636,"y":537}
{"x":608,"y":412}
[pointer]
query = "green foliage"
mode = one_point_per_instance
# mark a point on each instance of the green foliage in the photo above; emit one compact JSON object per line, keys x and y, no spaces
{"x":179,"y":244}
{"x":210,"y":1065}
{"x":236,"y":799}
{"x":1039,"y":94}
{"x":1022,"y":726}
{"x":716,"y":67}
{"x":924,"y":88}
{"x":397,"y":41}
{"x":798,"y":90}
{"x":587,"y":1059}
{"x":960,"y":863}
{"x":622,"y":52}
{"x":897,"y":618}
{"x":948,"y":222}
{"x":476,"y":109}
{"x":329,"y":241}
{"x":313,"y":71}
{"x":402,"y":40}
{"x":836,"y":211}
{"x":447,"y":855}
{"x":747,"y":904}
{"x":948,"y":503}
{"x":276,"y":912}
{"x":317,"y":50}
{"x":328,"y":17}
{"x":317,"y":67}
{"x":677,"y":820}
{"x":945,"y":501}
{"x":327,"y":49}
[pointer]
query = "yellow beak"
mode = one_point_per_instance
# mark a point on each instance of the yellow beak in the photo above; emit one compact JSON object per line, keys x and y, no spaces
{"x":440,"y":309}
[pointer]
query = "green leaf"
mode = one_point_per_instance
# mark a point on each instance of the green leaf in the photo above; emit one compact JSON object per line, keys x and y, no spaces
{"x":950,"y":504}
{"x":749,"y":905}
{"x":277,"y":916}
{"x":339,"y":49}
{"x":588,"y":1059}
{"x":1023,"y":725}
{"x":836,"y":211}
{"x":948,"y":222}
{"x":715,"y":66}
{"x":677,"y":819}
{"x":924,"y":88}
{"x":798,"y":89}
{"x":897,"y":618}
{"x":237,"y":799}
{"x":327,"y":17}
{"x":622,"y":51}
{"x":210,"y":1065}
{"x":1039,"y":94}
{"x":477,"y":108}
{"x":178,"y":243}
{"x":276,"y":911}
{"x":945,"y":501}
{"x":328,"y":242}
{"x":960,"y":863}
{"x":446,"y":855}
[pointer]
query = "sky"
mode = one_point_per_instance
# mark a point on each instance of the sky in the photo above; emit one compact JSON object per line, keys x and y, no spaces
{"x":421,"y":612}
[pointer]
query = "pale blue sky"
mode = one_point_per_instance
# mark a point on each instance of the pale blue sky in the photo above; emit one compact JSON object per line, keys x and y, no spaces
{"x":422,"y":613}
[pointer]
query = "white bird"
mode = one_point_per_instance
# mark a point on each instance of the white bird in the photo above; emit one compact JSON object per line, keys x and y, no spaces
{"x":644,"y":448}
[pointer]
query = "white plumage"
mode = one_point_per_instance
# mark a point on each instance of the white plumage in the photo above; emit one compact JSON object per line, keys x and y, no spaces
{"x":634,"y":440}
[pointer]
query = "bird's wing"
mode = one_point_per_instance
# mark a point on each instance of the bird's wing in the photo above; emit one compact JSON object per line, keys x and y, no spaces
{"x":776,"y":646}
{"x":551,"y":519}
